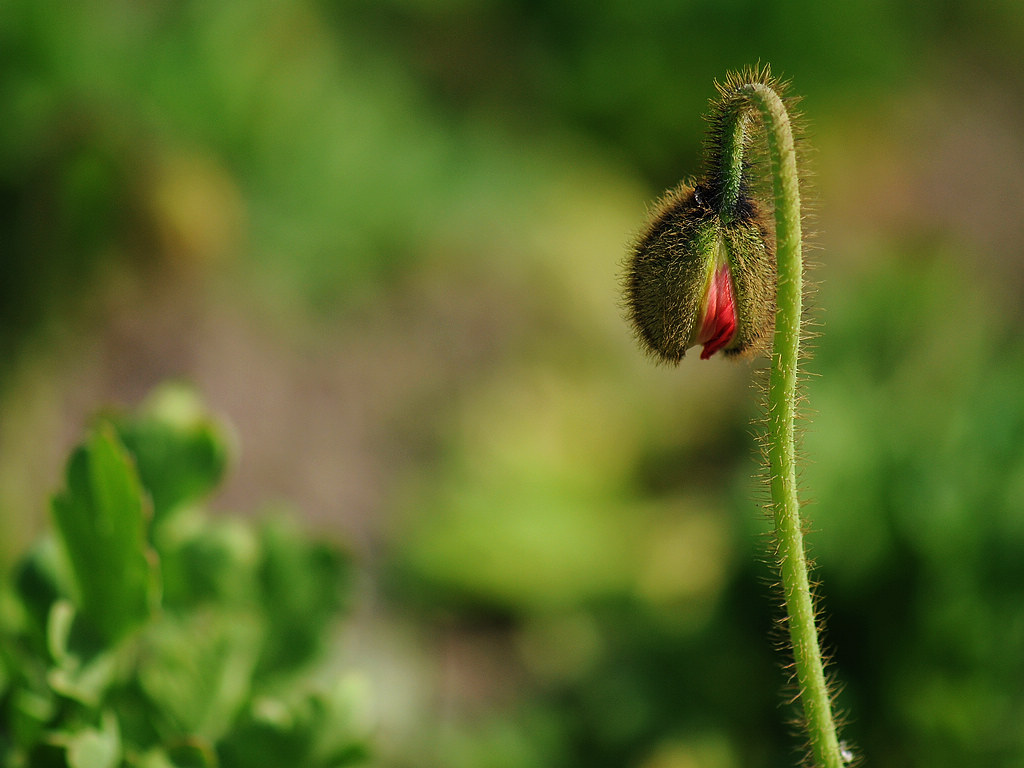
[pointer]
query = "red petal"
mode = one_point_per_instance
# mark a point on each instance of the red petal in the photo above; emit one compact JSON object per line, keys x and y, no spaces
{"x":719,"y":322}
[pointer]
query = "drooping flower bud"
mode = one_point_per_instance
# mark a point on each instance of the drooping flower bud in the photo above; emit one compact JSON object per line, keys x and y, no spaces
{"x":696,"y":278}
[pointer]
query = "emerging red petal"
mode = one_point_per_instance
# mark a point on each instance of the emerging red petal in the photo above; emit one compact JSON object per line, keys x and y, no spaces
{"x":719,"y":322}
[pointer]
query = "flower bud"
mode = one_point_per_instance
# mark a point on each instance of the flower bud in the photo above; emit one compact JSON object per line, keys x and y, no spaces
{"x":697,"y":278}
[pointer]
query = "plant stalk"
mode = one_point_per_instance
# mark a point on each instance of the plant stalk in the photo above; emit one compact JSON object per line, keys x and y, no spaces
{"x":802,"y":625}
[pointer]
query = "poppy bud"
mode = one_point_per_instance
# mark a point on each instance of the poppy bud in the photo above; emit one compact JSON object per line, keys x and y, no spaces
{"x":695,"y":277}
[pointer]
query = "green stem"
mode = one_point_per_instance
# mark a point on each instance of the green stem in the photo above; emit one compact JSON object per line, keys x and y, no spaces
{"x":730,"y":163}
{"x":803,"y":630}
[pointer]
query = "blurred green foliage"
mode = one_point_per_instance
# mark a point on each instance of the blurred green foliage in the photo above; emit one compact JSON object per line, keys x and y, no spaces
{"x":146,"y":633}
{"x":567,"y":528}
{"x":335,"y":144}
{"x":646,"y":634}
{"x":919,"y":460}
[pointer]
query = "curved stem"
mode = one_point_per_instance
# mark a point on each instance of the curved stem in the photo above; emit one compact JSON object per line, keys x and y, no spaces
{"x":729,"y":168}
{"x":803,"y":631}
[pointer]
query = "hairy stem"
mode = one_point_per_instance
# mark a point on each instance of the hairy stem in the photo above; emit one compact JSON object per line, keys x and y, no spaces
{"x":728,"y":168}
{"x":803,"y":631}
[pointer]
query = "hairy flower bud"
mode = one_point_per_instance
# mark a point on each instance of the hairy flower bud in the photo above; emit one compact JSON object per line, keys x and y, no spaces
{"x":697,"y":278}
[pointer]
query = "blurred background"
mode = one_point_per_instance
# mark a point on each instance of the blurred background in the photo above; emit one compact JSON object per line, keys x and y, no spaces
{"x":383,"y":238}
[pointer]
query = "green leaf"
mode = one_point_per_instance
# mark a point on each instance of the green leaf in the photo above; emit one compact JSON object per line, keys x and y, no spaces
{"x":180,"y":451}
{"x":197,"y":670}
{"x":101,"y":519}
{"x":192,"y":754}
{"x":339,"y":730}
{"x":38,"y":583}
{"x":204,"y":560}
{"x":303,"y":587}
{"x":313,"y":728}
{"x":84,"y":667}
{"x":28,"y":713}
{"x":92,"y":748}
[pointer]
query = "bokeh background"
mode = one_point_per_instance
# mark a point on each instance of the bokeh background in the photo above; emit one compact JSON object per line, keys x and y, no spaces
{"x":383,"y":238}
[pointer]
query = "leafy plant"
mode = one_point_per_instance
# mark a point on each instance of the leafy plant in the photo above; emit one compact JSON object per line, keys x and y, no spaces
{"x":145,"y":632}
